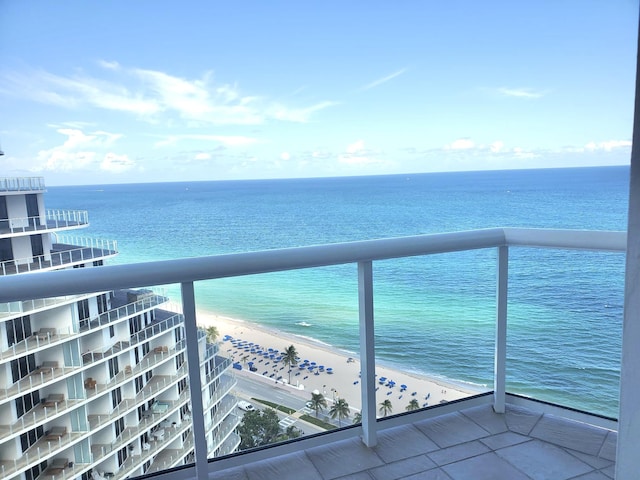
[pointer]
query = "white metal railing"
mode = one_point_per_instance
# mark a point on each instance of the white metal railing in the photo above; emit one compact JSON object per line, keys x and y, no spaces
{"x":21,"y":184}
{"x":53,"y":220}
{"x":188,"y":271}
{"x":66,"y":218}
{"x":83,"y":250}
{"x":28,"y":306}
{"x":124,"y":312}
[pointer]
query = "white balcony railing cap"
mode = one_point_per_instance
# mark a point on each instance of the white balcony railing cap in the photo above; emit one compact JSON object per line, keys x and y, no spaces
{"x":148,"y":274}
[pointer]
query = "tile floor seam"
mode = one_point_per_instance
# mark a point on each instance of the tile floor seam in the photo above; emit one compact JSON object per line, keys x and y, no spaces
{"x":315,"y":466}
{"x":489,"y":434}
{"x":513,"y":465}
{"x":604,"y":442}
{"x":573,"y":454}
{"x":528,"y":434}
{"x":460,"y":459}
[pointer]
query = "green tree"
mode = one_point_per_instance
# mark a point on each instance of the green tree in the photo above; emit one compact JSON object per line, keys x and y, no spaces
{"x":413,"y":405}
{"x":341,"y":410}
{"x":291,"y":432}
{"x":357,"y":418}
{"x":318,"y":403}
{"x":290,"y":358}
{"x":212,"y":333}
{"x":386,"y":408}
{"x":259,"y":428}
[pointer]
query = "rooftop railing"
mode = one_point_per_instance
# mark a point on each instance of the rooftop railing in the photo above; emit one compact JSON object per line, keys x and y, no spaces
{"x":21,"y":184}
{"x":363,"y":254}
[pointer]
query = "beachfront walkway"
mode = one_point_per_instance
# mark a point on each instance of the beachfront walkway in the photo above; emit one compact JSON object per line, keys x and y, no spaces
{"x":472,"y":444}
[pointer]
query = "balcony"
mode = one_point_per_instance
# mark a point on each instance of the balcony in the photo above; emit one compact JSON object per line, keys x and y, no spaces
{"x":83,"y":250}
{"x":493,"y":435}
{"x":55,"y":221}
{"x":22,"y":184}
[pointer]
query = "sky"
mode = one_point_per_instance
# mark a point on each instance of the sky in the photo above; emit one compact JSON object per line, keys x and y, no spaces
{"x":151,"y":91}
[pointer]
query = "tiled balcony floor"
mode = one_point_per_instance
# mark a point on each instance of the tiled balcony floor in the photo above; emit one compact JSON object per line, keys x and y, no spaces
{"x":472,"y":444}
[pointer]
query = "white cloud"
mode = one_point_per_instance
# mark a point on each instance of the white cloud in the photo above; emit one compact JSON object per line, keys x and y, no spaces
{"x":114,"y":163}
{"x":460,"y":144}
{"x":522,"y":153}
{"x":357,"y":154}
{"x":285,"y":156}
{"x":227,"y":140}
{"x":520,"y":92}
{"x":382,"y":80}
{"x":203,"y":156}
{"x":81,"y":151}
{"x":497,"y":146}
{"x":608,"y":145}
{"x":154,"y":95}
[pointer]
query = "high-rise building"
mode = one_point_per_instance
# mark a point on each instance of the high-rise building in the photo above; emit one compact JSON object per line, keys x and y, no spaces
{"x":96,"y":385}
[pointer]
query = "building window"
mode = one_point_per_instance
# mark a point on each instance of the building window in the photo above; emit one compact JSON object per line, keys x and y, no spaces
{"x":103,"y":304}
{"x":18,"y":329}
{"x":112,"y":331}
{"x":83,"y":311}
{"x":113,"y":367}
{"x":119,"y":424}
{"x":116,"y":399}
{"x":98,"y":263}
{"x":37,"y":249}
{"x":32,"y":209}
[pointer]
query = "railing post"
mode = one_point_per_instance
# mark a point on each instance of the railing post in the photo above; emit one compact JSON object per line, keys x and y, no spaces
{"x":367,"y":353}
{"x":195,"y":385}
{"x":499,"y":380}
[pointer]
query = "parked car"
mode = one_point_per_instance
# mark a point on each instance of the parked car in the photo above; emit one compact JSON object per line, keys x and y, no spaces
{"x":246,"y":406}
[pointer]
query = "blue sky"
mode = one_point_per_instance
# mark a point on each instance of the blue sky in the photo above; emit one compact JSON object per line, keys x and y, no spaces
{"x":147,"y":91}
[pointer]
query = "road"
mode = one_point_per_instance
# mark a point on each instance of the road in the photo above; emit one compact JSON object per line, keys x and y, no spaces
{"x":249,"y":387}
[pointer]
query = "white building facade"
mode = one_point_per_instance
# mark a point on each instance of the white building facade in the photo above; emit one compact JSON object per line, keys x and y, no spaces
{"x":94,"y":385}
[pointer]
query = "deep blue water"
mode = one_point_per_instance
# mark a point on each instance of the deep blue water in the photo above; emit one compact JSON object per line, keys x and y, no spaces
{"x":433,"y":315}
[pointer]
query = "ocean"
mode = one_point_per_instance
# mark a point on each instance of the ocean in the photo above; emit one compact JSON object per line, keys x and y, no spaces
{"x":434,"y":315}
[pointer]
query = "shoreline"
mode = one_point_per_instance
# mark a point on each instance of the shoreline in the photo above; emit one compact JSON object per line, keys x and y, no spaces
{"x":343,"y":382}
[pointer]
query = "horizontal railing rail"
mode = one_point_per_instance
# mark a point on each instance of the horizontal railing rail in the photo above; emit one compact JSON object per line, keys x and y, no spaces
{"x":148,"y":274}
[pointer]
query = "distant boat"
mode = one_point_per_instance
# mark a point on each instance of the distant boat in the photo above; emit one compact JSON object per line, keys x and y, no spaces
{"x":303,"y":324}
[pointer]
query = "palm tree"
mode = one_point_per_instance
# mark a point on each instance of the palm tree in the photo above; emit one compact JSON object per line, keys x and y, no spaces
{"x":386,"y":408}
{"x":318,"y":403}
{"x":357,"y":418}
{"x":290,"y":358}
{"x":340,"y":409}
{"x":212,"y":333}
{"x":413,"y":405}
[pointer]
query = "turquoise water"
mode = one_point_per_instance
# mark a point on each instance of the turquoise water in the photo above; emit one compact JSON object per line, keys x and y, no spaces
{"x":433,"y":315}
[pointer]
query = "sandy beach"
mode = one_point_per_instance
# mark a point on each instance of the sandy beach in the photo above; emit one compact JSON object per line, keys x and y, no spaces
{"x":343,"y":382}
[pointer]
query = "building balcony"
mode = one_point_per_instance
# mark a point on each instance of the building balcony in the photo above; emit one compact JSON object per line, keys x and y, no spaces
{"x":22,"y":184}
{"x":62,"y":255}
{"x":53,"y":221}
{"x":492,"y":435}
{"x":124,"y":312}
